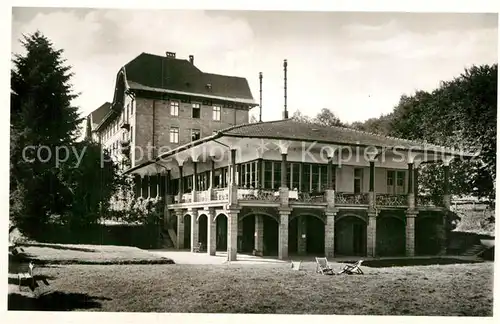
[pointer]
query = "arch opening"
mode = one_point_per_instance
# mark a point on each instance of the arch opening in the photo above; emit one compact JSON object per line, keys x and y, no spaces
{"x":350,"y":236}
{"x":390,"y":236}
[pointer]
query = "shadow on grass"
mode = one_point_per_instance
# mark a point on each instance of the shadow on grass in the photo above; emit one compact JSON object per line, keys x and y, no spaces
{"x":58,"y":247}
{"x":54,"y":301}
{"x":32,"y":283}
{"x":412,"y":262}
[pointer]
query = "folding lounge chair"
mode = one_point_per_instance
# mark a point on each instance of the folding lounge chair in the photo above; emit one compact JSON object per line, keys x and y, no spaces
{"x":323,"y":267}
{"x":27,"y":275}
{"x":198,"y":247}
{"x":352,"y":268}
{"x":296,"y":265}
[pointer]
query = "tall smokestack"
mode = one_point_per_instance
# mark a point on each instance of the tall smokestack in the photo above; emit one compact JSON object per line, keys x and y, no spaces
{"x":285,"y":111}
{"x":260,"y":106}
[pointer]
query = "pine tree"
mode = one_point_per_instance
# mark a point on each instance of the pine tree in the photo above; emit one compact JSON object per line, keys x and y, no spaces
{"x":41,"y":115}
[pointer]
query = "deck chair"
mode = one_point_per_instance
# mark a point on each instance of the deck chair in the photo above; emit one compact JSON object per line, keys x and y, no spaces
{"x":323,"y":267}
{"x":352,"y":268}
{"x":27,"y":275}
{"x":296,"y":265}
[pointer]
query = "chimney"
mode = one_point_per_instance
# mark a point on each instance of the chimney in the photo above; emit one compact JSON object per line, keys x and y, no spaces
{"x":285,"y":111}
{"x":170,"y":54}
{"x":191,"y":59}
{"x":260,"y":106}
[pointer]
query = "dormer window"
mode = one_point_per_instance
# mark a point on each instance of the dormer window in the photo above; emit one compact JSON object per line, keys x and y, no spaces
{"x":195,"y":134}
{"x":209,"y":86}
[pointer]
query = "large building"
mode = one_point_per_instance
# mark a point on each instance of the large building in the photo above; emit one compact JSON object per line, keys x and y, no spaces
{"x":162,"y":102}
{"x":286,"y":187}
{"x":277,"y":188}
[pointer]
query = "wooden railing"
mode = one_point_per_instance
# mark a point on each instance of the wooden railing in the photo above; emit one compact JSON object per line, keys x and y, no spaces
{"x":306,"y":197}
{"x":347,"y":198}
{"x":429,"y":201}
{"x":220,"y":194}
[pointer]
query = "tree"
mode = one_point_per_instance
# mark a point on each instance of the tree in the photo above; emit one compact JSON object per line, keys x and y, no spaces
{"x":325,"y":117}
{"x":461,"y":113}
{"x":41,"y":116}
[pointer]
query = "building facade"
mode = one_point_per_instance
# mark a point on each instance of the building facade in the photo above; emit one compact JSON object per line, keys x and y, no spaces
{"x":286,"y":187}
{"x":162,"y":102}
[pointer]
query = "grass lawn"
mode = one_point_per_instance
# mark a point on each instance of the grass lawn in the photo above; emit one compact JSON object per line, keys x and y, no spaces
{"x":447,"y":290}
{"x":43,"y":253}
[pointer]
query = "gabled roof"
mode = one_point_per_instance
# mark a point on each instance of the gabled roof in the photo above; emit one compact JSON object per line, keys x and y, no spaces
{"x":97,"y":116}
{"x":290,"y":129}
{"x":157,"y":73}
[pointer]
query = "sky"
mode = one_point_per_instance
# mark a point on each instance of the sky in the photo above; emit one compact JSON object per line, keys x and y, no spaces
{"x":356,"y":64}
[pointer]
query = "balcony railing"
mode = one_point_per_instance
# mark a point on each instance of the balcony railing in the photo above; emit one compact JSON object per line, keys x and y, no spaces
{"x":306,"y":197}
{"x":429,"y":201}
{"x":258,"y":194}
{"x":341,"y":198}
{"x":346,"y":198}
{"x":392,"y":200}
{"x":220,"y":194}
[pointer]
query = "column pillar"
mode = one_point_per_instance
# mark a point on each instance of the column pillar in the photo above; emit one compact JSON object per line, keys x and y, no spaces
{"x":371,"y":235}
{"x":233,"y":188}
{"x":415,"y":183}
{"x":180,"y":229}
{"x":410,"y":233}
{"x":446,"y":185}
{"x":195,"y":182}
{"x":259,"y":233}
{"x":283,"y":234}
{"x":181,"y":184}
{"x":212,"y":174}
{"x":411,"y":196}
{"x":301,"y":235}
{"x":330,"y":234}
{"x":371,"y":194}
{"x":194,"y":228}
{"x":283,"y":190}
{"x":211,"y":229}
{"x":329,"y":175}
{"x":232,"y":234}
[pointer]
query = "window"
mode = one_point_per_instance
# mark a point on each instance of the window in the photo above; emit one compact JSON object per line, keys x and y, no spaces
{"x":324,"y":177}
{"x":295,"y":176}
{"x":306,"y":178}
{"x":195,"y":134}
{"x":174,"y":135}
{"x":174,"y":108}
{"x":268,"y":175}
{"x":216,"y":112}
{"x":315,"y":178}
{"x":196,"y":110}
{"x":395,"y":181}
{"x":277,"y":175}
{"x":358,"y":180}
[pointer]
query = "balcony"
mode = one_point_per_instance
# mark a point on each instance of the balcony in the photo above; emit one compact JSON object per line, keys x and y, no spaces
{"x":351,"y":199}
{"x":341,"y":199}
{"x":125,"y":146}
{"x":391,"y":200}
{"x":258,"y":194}
{"x":125,"y":125}
{"x":429,"y":201}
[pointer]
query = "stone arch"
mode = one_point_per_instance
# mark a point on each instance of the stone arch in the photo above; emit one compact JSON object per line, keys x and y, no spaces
{"x":221,"y":231}
{"x":201,"y":214}
{"x":344,"y":215}
{"x":350,"y":235}
{"x":259,"y":213}
{"x":186,"y":219}
{"x":390,"y":235}
{"x":296,"y":215}
{"x":202,"y":224}
{"x":428,"y":233}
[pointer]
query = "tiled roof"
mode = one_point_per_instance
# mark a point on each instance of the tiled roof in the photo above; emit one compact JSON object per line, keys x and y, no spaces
{"x":99,"y":114}
{"x":290,"y":129}
{"x":148,"y":71}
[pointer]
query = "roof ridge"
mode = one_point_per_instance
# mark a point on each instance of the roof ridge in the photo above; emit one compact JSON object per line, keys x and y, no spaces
{"x":230,"y":128}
